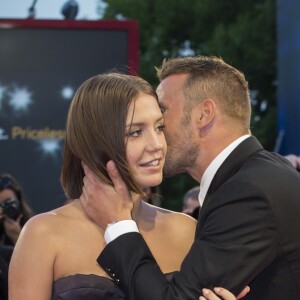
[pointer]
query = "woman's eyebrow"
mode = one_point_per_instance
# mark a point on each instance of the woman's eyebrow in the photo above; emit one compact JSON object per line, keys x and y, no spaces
{"x":142,"y":123}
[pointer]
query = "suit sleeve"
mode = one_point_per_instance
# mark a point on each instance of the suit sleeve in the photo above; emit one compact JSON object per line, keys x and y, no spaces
{"x":236,"y":240}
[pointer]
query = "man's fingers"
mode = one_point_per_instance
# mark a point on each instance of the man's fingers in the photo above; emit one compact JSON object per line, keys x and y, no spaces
{"x":89,"y":174}
{"x":213,"y":295}
{"x":86,"y":169}
{"x":116,"y":178}
{"x":243,"y":293}
{"x":82,"y":197}
{"x":224,"y":293}
{"x":112,"y":170}
{"x":209,"y":295}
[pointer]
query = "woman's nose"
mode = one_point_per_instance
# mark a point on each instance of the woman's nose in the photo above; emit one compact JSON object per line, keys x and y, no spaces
{"x":155,"y":142}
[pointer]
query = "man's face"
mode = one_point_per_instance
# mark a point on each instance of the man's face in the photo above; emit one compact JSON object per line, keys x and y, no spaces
{"x":182,"y":149}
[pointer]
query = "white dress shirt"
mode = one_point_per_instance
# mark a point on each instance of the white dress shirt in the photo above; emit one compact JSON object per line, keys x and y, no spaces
{"x":116,"y":229}
{"x":212,"y":169}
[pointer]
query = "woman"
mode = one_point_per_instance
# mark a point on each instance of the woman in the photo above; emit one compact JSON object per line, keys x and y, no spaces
{"x":112,"y":117}
{"x":14,"y":211}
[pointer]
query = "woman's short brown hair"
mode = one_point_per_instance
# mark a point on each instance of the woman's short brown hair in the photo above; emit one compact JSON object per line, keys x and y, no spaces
{"x":95,"y":129}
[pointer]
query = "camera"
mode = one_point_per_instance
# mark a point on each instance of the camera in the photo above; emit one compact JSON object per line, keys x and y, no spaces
{"x":11,"y":208}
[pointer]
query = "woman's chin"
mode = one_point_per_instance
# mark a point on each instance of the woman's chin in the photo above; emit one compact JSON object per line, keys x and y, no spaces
{"x":150,"y":183}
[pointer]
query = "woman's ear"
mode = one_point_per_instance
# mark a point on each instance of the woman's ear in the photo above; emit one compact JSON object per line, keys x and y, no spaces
{"x":205,"y":111}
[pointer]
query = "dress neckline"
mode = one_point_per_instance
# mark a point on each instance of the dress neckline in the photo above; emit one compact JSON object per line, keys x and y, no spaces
{"x":82,"y":275}
{"x":96,"y":276}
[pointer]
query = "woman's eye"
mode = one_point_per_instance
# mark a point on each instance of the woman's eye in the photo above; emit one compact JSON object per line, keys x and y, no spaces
{"x":162,"y":109}
{"x":135,"y":133}
{"x":161,"y":127}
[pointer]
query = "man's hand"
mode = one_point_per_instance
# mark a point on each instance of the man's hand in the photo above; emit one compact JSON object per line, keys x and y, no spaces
{"x":223,"y":293}
{"x":104,"y":203}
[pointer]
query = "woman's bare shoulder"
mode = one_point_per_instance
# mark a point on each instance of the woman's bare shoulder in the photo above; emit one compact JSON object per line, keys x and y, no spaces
{"x":181,"y":220}
{"x":42,"y":223}
{"x":174,"y":220}
{"x":47,"y":222}
{"x":174,"y":233}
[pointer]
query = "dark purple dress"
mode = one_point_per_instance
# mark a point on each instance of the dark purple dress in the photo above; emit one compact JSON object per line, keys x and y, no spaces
{"x":88,"y":287}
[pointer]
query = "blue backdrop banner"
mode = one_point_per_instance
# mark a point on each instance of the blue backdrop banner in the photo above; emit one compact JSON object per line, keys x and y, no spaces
{"x":288,"y":51}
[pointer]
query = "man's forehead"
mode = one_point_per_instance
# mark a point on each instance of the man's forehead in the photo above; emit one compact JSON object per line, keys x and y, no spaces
{"x":167,"y":95}
{"x":172,"y":84}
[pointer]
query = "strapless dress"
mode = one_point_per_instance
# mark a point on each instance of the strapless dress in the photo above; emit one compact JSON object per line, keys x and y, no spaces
{"x":88,"y":287}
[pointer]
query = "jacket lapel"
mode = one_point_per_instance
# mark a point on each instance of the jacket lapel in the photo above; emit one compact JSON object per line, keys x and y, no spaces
{"x":230,"y":166}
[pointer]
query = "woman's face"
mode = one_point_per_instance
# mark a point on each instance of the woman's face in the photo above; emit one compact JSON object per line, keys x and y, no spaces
{"x":146,"y":145}
{"x":6,"y":194}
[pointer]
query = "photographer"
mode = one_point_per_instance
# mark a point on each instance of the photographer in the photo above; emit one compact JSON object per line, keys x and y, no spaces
{"x":14,"y":211}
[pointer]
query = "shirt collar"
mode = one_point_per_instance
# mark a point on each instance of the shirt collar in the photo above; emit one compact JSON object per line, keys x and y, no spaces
{"x":215,"y":165}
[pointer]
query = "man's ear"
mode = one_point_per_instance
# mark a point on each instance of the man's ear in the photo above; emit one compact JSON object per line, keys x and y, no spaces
{"x":205,"y":111}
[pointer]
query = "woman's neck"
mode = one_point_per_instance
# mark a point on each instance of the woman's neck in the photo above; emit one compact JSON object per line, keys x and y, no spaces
{"x":137,"y":203}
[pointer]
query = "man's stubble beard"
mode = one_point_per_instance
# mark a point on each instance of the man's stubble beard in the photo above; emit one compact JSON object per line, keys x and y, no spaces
{"x":182,"y":152}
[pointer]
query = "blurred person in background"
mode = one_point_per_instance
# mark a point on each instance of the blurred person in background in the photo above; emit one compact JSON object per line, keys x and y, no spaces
{"x":14,"y":210}
{"x":14,"y":213}
{"x":5,"y":256}
{"x":294,"y":160}
{"x":153,"y":196}
{"x":191,"y":202}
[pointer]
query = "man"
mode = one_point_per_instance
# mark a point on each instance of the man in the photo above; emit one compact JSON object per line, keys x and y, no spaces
{"x":248,"y":230}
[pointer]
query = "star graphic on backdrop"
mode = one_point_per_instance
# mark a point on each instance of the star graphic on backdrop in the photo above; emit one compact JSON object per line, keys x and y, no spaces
{"x":2,"y":91}
{"x":20,"y":99}
{"x":49,"y":146}
{"x":67,"y":92}
{"x":3,"y":135}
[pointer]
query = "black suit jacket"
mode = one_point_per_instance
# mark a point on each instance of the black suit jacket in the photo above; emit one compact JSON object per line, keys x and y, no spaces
{"x":248,"y":233}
